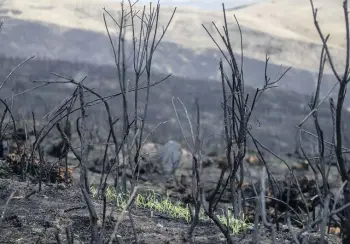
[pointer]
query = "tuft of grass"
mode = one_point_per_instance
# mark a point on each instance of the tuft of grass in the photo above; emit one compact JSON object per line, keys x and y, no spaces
{"x":112,"y":195}
{"x":236,"y":225}
{"x":177,"y":209}
{"x":163,"y":205}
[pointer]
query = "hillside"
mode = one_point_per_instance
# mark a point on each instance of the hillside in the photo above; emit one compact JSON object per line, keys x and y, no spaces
{"x":283,"y":29}
{"x":273,"y":122}
{"x":74,"y":32}
{"x":21,"y":38}
{"x":292,"y":19}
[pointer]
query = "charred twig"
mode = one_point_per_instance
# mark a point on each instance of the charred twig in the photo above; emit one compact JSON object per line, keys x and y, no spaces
{"x":121,"y":217}
{"x":83,"y":183}
{"x":5,"y":207}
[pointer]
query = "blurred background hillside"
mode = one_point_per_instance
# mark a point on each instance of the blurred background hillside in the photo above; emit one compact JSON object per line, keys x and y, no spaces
{"x":69,"y":37}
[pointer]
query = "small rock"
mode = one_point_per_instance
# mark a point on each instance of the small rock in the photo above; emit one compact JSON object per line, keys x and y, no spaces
{"x":170,"y":156}
{"x":303,"y":165}
{"x":253,"y":160}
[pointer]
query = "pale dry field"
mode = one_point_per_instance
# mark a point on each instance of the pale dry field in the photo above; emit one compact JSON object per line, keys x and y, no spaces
{"x":284,"y":29}
{"x":292,"y":19}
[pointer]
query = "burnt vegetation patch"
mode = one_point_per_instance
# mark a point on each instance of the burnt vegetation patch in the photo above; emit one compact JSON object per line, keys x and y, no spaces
{"x":82,"y":172}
